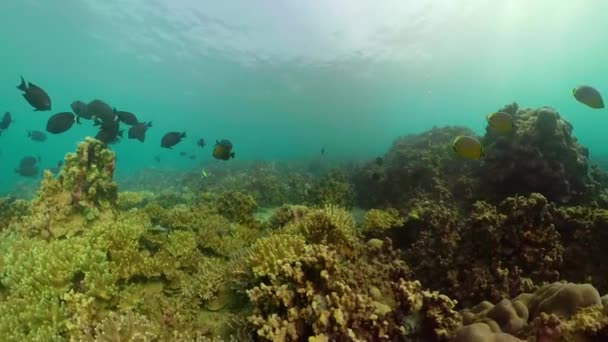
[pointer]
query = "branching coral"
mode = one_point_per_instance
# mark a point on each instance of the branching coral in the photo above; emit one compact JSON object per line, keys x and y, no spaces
{"x":310,"y":291}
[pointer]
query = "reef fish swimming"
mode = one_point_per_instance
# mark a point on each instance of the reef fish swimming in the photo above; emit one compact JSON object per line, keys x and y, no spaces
{"x":588,"y":96}
{"x":223,"y":150}
{"x":35,"y":96}
{"x":500,"y":122}
{"x":468,"y":147}
{"x":138,"y":131}
{"x":80,"y":108}
{"x":5,"y":122}
{"x":171,"y":139}
{"x":127,"y":118}
{"x":36,"y":135}
{"x":61,"y":122}
{"x":28,"y":166}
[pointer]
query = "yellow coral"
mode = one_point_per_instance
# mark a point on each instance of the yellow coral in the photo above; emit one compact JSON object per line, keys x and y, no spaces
{"x":378,"y":221}
{"x":330,"y":225}
{"x":268,"y":255}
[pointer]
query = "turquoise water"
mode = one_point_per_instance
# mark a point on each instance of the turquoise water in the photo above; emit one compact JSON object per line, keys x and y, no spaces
{"x":281,"y":79}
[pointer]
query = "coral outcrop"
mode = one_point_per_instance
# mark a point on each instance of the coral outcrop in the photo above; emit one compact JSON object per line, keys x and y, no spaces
{"x":554,"y":312}
{"x":541,"y":155}
{"x":82,"y":192}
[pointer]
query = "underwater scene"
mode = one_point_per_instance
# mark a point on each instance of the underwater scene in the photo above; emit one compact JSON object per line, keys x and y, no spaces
{"x":345,"y":170}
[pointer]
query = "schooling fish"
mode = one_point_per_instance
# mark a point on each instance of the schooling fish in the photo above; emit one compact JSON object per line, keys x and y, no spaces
{"x":101,"y":111}
{"x":138,"y":131}
{"x":6,"y":121}
{"x":223,"y":150}
{"x":171,"y":139}
{"x":127,"y":117}
{"x":80,"y":108}
{"x":468,"y":147}
{"x":183,"y":153}
{"x":35,"y":96}
{"x":36,"y":135}
{"x":28,"y":166}
{"x":589,"y":96}
{"x":61,"y":122}
{"x":201,"y":143}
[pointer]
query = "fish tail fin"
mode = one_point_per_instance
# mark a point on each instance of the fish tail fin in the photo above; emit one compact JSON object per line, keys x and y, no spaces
{"x":78,"y":119}
{"x":183,"y":135}
{"x":29,"y":133}
{"x":149,"y":124}
{"x":232,"y":155}
{"x":22,"y":86}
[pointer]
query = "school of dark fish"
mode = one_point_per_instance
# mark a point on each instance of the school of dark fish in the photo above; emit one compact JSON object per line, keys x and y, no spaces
{"x":106,"y":118}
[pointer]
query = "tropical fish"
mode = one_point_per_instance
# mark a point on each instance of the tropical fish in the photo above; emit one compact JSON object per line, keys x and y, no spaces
{"x":36,"y":135}
{"x":35,"y":96}
{"x":127,"y":118}
{"x":61,"y":122}
{"x":171,"y":139}
{"x":101,"y":111}
{"x":468,"y":147}
{"x":201,"y":143}
{"x":28,"y":166}
{"x":6,"y":121}
{"x":500,"y":122}
{"x":138,"y":131}
{"x":80,"y":108}
{"x":589,"y":96}
{"x":223,"y":150}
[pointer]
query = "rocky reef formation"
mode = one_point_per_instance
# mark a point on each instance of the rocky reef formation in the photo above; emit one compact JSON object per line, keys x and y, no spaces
{"x":540,"y":155}
{"x":416,"y":166}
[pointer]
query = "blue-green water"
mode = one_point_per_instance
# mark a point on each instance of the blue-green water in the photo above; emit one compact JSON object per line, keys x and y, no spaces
{"x":281,"y":79}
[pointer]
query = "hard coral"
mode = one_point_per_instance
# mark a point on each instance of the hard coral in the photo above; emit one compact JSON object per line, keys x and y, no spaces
{"x":237,"y":207}
{"x":82,"y":192}
{"x":332,"y":189}
{"x":506,"y":248}
{"x":558,"y":311}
